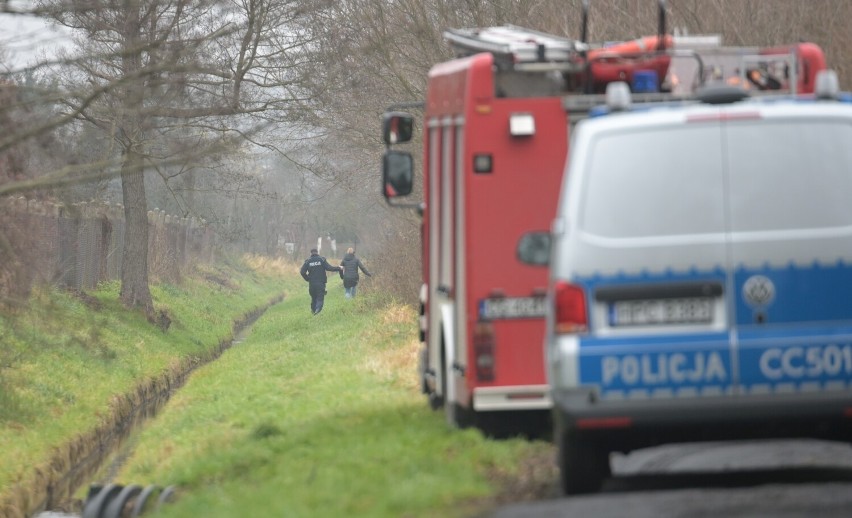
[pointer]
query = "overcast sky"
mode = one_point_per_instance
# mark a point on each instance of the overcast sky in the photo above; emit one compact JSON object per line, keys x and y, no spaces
{"x":25,"y":38}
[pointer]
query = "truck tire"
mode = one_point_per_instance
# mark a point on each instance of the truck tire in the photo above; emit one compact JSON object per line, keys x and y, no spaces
{"x":436,"y":402}
{"x":583,"y":464}
{"x":421,"y":322}
{"x":459,"y":416}
{"x":422,"y":368}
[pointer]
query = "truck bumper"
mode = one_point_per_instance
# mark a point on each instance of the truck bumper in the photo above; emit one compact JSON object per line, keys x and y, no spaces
{"x":518,"y":397}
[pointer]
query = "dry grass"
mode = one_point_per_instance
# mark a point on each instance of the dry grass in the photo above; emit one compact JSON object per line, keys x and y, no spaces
{"x":270,"y":265}
{"x":396,"y":364}
{"x":397,"y":314}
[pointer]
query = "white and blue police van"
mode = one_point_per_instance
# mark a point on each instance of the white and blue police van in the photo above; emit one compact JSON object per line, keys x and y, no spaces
{"x":701,"y":275}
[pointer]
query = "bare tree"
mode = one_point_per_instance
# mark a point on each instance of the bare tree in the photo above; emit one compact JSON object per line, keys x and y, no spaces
{"x":170,"y":82}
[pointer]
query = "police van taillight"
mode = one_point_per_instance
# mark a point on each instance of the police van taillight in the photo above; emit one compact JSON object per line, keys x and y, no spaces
{"x":569,"y":308}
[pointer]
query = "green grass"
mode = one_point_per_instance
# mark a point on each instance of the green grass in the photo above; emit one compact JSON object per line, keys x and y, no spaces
{"x":307,"y":416}
{"x":319,"y":416}
{"x":65,"y":358}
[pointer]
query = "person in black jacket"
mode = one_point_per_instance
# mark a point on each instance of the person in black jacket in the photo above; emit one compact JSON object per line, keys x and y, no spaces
{"x":313,"y":271}
{"x":350,"y":265}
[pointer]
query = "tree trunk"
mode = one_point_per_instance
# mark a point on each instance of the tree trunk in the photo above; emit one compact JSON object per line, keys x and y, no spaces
{"x":135,"y":292}
{"x":134,"y":270}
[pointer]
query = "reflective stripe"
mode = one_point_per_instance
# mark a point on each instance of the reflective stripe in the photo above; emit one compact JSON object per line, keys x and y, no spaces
{"x":762,"y":389}
{"x":640,"y":394}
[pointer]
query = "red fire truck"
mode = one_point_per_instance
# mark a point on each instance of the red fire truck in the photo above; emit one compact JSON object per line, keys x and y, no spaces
{"x":496,"y":125}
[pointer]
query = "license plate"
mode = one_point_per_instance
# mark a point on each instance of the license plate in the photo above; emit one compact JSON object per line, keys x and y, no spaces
{"x":514,"y":307}
{"x":661,"y":312}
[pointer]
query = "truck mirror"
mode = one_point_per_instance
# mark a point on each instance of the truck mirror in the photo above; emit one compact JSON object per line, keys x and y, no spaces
{"x":397,"y":174}
{"x":397,"y":127}
{"x":534,"y":248}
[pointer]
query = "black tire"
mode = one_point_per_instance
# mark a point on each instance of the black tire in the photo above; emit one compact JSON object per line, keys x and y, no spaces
{"x":422,"y":367}
{"x":583,"y":464}
{"x":459,"y":416}
{"x":144,"y":501}
{"x":168,"y":495}
{"x":436,"y":402}
{"x":421,"y":329}
{"x":96,"y":505}
{"x":119,"y":503}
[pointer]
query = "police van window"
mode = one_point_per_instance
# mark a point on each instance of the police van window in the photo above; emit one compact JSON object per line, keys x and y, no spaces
{"x":654,"y":182}
{"x":786,"y":175}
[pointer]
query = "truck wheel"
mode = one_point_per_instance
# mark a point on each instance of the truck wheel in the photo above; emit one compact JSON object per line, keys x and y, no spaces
{"x":435,"y":401}
{"x":421,"y":322}
{"x":583,"y":464}
{"x":458,"y":416}
{"x":421,"y":369}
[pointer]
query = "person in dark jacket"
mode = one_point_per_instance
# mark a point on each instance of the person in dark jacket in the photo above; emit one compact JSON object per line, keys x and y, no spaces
{"x":313,"y":271}
{"x":350,"y":265}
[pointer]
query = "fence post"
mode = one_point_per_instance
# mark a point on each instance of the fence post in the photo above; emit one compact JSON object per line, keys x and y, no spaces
{"x":68,"y":237}
{"x":181,"y":230}
{"x":81,"y":245}
{"x":116,"y":253}
{"x":104,"y":240}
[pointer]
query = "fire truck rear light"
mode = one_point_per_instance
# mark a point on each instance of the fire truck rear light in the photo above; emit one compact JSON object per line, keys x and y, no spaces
{"x":847,"y":412}
{"x":483,"y":350}
{"x":482,"y":163}
{"x":484,"y":359}
{"x":521,"y":125}
{"x":570,"y":308}
{"x":591,"y":423}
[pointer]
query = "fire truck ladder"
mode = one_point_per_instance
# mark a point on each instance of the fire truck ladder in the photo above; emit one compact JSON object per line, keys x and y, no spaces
{"x":527,"y":50}
{"x":518,"y":47}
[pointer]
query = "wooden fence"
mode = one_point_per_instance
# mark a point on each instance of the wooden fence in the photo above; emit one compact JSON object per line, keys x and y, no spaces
{"x":80,"y":245}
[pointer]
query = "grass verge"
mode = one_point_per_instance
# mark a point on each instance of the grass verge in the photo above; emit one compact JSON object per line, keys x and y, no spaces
{"x":321,"y":416}
{"x":68,"y":361}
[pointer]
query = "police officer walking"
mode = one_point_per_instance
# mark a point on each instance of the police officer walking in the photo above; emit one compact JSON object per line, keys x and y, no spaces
{"x":313,"y":271}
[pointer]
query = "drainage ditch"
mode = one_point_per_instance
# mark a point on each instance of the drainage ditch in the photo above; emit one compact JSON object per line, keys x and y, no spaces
{"x":49,"y":492}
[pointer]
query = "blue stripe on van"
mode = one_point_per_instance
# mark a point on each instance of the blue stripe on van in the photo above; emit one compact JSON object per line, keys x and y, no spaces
{"x":684,"y":363}
{"x":817,"y":293}
{"x":806,"y":363}
{"x":643,"y":276}
{"x":651,"y":366}
{"x":801,"y":340}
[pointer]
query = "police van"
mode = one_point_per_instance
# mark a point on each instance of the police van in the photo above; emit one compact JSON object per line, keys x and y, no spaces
{"x":700,"y":275}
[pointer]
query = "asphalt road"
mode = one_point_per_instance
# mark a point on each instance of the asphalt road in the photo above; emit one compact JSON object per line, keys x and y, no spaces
{"x":755,"y":479}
